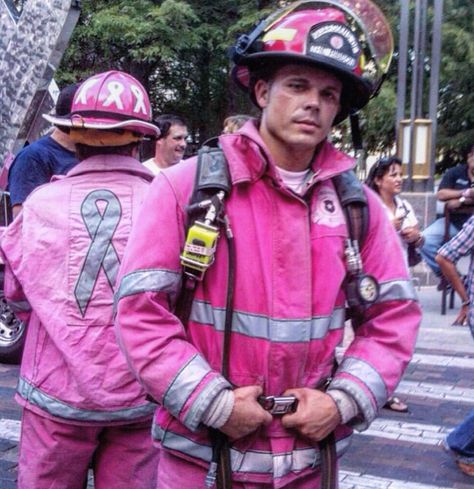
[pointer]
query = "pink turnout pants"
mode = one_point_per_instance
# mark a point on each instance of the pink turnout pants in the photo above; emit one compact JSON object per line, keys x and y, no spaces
{"x":55,"y":455}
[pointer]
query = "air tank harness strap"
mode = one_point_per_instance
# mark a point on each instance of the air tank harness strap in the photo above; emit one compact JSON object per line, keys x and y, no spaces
{"x":206,"y":216}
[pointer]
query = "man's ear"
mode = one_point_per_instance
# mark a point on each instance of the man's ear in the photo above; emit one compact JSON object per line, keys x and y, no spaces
{"x":262,"y":92}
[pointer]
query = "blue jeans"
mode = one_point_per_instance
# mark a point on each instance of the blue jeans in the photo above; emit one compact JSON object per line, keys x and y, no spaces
{"x":434,"y":238}
{"x":461,"y":440}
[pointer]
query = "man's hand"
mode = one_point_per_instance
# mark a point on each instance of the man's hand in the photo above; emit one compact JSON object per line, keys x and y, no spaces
{"x":247,"y":414}
{"x":316,"y":416}
{"x":461,"y":318}
{"x":453,"y":204}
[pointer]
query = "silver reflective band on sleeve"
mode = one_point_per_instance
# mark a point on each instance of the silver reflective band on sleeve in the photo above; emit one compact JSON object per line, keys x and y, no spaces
{"x":203,"y":400}
{"x":264,"y":327}
{"x":149,"y":281}
{"x":184,"y":384}
{"x":367,"y":375}
{"x":19,"y":306}
{"x":62,"y":410}
{"x":250,"y":461}
{"x":397,"y":290}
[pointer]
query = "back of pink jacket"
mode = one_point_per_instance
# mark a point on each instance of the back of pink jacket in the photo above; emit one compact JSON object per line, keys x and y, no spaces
{"x":62,"y":254}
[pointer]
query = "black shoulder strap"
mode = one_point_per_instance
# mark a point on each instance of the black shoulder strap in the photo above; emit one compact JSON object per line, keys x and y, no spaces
{"x":354,"y":202}
{"x":212,"y":176}
{"x":212,"y":173}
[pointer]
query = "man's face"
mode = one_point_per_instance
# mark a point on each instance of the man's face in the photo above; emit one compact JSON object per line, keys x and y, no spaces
{"x":298,"y":108}
{"x":170,"y":150}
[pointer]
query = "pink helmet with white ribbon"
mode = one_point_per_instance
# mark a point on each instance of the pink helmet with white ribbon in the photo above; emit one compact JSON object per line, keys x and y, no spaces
{"x":108,"y":101}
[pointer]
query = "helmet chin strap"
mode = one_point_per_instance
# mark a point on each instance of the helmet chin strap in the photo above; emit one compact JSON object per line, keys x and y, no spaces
{"x":355,"y":131}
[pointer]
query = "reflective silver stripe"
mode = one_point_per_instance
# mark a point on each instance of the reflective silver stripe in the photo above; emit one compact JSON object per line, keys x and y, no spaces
{"x":58,"y":408}
{"x":149,"y":281}
{"x":397,"y":290}
{"x":301,"y":459}
{"x":203,"y":400}
{"x":259,"y":462}
{"x":184,"y":384}
{"x":157,"y":431}
{"x":264,"y":327}
{"x":367,"y":375}
{"x":19,"y":306}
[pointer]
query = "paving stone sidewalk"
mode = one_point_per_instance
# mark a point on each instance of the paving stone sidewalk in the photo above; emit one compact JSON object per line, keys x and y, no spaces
{"x":399,"y":451}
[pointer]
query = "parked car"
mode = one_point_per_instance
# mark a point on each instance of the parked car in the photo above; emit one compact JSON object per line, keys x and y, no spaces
{"x":12,"y":330}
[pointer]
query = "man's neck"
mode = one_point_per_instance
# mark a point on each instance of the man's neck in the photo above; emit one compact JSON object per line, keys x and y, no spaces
{"x":63,"y":139}
{"x":161,"y":163}
{"x":290,"y":158}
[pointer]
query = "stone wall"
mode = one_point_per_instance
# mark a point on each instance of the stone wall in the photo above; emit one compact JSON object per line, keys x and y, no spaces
{"x":28,"y":57}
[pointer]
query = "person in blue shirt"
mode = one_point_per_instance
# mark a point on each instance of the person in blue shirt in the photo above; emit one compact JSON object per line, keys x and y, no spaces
{"x":50,"y":155}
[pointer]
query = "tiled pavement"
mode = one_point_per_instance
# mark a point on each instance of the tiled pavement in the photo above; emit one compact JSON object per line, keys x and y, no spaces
{"x":399,"y":451}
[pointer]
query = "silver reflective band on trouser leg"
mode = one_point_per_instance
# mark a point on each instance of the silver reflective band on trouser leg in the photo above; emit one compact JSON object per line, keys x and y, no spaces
{"x":101,"y":253}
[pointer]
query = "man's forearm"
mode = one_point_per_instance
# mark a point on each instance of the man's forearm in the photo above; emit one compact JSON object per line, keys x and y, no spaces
{"x":452,"y":276}
{"x":446,"y":194}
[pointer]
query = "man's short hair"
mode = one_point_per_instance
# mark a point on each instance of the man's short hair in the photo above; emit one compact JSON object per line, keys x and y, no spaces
{"x":65,"y":99}
{"x":165,"y":121}
{"x":64,"y":103}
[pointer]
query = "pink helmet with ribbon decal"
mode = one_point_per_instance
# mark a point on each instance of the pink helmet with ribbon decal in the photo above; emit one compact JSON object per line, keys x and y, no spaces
{"x":108,"y":101}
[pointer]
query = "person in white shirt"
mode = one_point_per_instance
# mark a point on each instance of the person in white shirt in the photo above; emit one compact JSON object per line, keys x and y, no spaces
{"x":385,"y":178}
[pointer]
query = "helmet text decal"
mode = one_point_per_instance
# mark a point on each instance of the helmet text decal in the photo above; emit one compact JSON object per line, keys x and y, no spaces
{"x":336,"y":42}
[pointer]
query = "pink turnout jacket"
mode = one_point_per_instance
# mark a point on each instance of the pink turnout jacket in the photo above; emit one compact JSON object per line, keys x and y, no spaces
{"x":62,"y":255}
{"x":289,"y":308}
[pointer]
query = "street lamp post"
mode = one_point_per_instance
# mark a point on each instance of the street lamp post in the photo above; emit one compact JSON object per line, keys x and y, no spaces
{"x":418,"y":155}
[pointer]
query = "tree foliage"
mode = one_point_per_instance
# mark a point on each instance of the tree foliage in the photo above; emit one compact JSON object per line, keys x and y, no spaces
{"x":178,"y":50}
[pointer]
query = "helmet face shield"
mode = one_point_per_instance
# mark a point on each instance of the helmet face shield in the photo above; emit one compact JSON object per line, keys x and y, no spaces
{"x":348,"y":37}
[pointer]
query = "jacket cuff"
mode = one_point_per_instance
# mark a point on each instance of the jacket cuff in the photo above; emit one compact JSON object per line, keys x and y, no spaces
{"x":220,"y":409}
{"x":346,"y":406}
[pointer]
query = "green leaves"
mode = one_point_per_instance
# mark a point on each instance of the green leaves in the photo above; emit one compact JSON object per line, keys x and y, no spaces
{"x":178,"y":50}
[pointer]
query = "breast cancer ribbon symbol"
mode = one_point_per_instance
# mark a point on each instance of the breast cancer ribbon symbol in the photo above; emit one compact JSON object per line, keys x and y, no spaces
{"x":101,"y":226}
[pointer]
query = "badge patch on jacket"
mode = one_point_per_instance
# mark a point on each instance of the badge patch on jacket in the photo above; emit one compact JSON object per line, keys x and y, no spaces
{"x":326,"y":209}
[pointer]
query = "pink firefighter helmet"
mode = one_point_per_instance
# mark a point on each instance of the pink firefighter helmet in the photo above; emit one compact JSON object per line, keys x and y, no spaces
{"x":112,"y":100}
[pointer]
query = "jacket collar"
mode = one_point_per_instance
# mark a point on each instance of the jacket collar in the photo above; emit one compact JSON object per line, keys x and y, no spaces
{"x":106,"y":163}
{"x":249,"y":158}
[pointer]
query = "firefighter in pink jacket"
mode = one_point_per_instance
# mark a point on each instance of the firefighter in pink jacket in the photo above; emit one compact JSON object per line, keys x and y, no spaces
{"x":82,"y":405}
{"x":247,"y":386}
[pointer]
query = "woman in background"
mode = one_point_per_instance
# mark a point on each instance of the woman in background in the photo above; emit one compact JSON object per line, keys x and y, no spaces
{"x":385,"y":178}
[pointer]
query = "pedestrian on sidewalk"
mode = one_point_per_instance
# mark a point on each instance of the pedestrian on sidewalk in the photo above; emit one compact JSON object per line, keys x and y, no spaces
{"x":460,"y":443}
{"x":246,"y":382}
{"x":81,"y":404}
{"x":385,"y":178}
{"x":461,"y":440}
{"x":456,"y":190}
{"x":448,"y":255}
